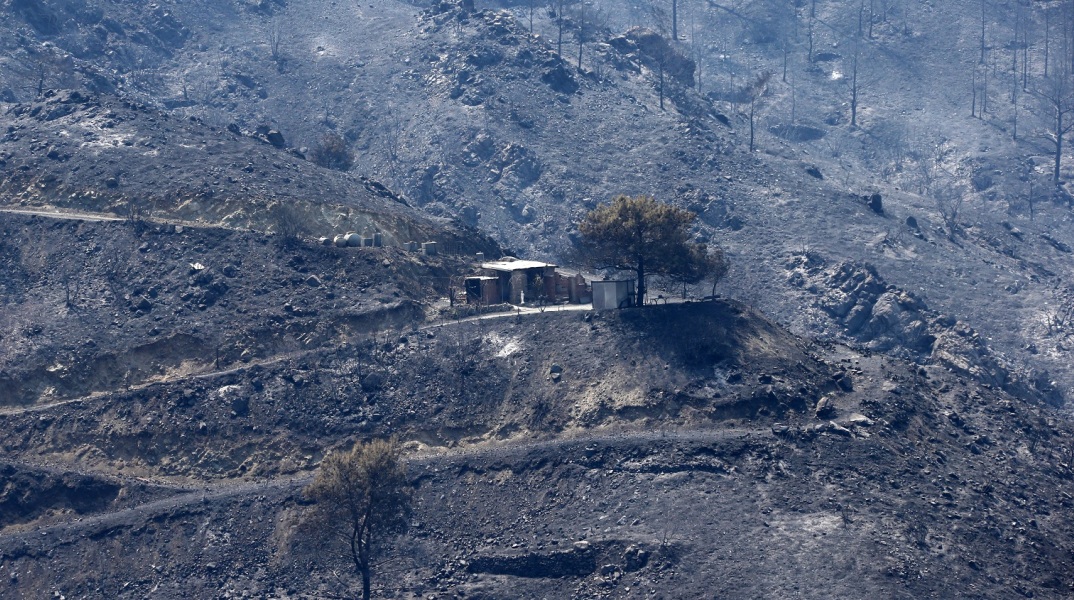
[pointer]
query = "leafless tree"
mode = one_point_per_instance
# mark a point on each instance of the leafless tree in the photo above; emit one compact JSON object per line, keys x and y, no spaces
{"x":1031,"y":200}
{"x":332,"y":152}
{"x":392,"y":130}
{"x":949,"y":199}
{"x":1047,"y":38}
{"x":786,"y":46}
{"x":854,"y":83}
{"x":72,"y":284}
{"x":929,"y":155}
{"x":585,"y":26}
{"x":1014,"y":109}
{"x":1060,"y":313}
{"x":973,"y":87}
{"x":891,"y":137}
{"x":1056,"y":95}
{"x":657,"y":17}
{"x":561,"y":23}
{"x":1026,"y":44}
{"x":661,"y":56}
{"x":275,"y":36}
{"x":697,"y":48}
{"x":48,"y":67}
{"x":755,"y":92}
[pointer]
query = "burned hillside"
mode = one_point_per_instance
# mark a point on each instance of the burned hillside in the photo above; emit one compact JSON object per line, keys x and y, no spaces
{"x":237,"y":236}
{"x":562,"y":450}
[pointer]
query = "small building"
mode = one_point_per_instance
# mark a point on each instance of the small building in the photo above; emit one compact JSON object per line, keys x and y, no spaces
{"x":613,"y":294}
{"x":574,"y":286}
{"x":481,"y":289}
{"x":521,"y":279}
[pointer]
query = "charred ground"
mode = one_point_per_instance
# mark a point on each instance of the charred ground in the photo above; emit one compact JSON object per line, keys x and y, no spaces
{"x":470,"y":115}
{"x":167,"y":385}
{"x":659,"y":452}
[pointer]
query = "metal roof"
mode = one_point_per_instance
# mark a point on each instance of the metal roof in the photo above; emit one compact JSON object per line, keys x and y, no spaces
{"x":515,"y":265}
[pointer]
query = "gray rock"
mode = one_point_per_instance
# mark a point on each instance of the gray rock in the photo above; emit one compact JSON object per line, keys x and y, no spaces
{"x":276,"y":139}
{"x":634,"y":558}
{"x":560,"y":79}
{"x":825,"y":408}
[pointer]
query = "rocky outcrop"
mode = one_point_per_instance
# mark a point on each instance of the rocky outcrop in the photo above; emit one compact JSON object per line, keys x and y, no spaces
{"x":559,"y":78}
{"x":882,"y":317}
{"x":511,"y":163}
{"x":653,"y":50}
{"x":518,"y":164}
{"x":885,"y":318}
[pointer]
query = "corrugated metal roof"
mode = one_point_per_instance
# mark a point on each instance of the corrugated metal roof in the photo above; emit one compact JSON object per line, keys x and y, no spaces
{"x":515,"y":265}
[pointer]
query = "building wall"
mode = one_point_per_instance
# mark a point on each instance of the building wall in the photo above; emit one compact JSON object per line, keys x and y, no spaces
{"x":513,"y":283}
{"x":488,"y":291}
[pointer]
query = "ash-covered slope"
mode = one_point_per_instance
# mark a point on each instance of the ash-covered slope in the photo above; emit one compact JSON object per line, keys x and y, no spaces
{"x":94,"y":307}
{"x":469,"y":115}
{"x":666,"y":452}
{"x":661,"y":452}
{"x":80,"y":152}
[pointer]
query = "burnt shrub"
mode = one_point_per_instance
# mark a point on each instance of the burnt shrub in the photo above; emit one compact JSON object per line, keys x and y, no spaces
{"x":332,"y":153}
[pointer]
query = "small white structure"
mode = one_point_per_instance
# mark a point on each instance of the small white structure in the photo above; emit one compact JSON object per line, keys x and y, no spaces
{"x":613,"y":294}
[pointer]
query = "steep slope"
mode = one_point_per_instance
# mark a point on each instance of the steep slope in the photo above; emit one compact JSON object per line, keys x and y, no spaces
{"x":470,"y":115}
{"x":95,"y":307}
{"x":100,"y":154}
{"x":753,"y":464}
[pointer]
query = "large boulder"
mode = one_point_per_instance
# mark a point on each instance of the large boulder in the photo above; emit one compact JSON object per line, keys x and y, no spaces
{"x":559,"y":78}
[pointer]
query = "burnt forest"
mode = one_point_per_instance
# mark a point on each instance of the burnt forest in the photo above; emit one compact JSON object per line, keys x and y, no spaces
{"x":497,"y":299}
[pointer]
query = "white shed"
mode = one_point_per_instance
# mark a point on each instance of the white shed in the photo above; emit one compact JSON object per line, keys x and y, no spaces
{"x":613,"y":294}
